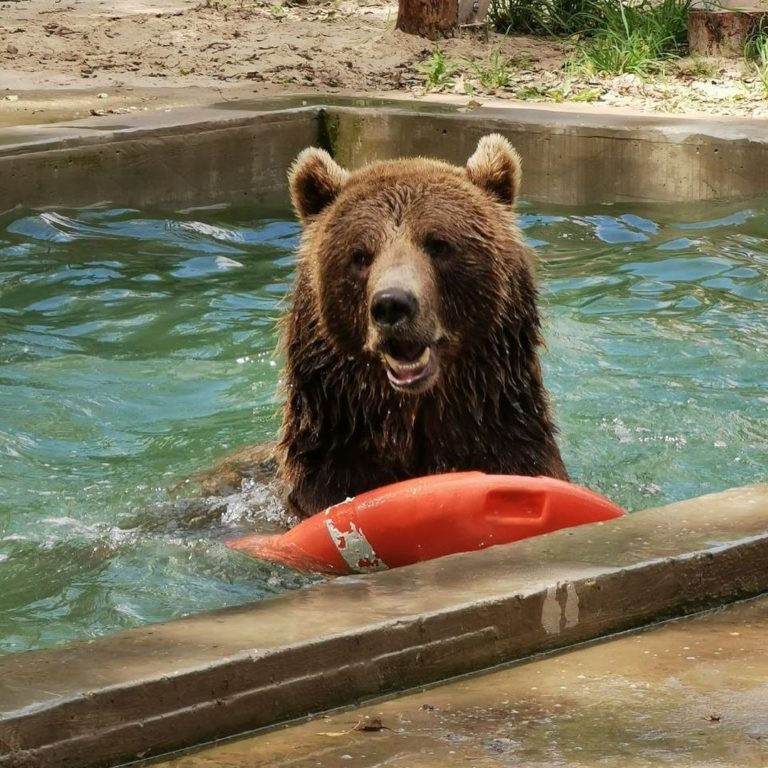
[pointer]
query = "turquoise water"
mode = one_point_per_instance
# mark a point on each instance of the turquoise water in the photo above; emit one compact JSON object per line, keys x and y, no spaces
{"x":137,"y":348}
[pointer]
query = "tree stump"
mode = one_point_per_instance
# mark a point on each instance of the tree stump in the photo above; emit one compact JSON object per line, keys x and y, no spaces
{"x":439,"y":18}
{"x":724,"y":31}
{"x":428,"y":18}
{"x":472,"y":13}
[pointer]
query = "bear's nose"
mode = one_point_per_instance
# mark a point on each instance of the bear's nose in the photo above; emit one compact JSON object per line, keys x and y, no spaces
{"x":392,"y":306}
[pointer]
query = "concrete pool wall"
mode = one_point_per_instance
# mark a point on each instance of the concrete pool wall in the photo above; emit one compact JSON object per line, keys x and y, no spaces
{"x":144,"y":692}
{"x":239,"y":153}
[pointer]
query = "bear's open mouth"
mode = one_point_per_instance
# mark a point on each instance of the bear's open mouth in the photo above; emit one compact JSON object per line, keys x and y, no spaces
{"x":409,"y":365}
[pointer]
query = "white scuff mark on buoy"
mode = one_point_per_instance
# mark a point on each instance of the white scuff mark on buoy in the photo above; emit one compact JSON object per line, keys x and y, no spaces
{"x":356,"y":550}
{"x":551,"y":612}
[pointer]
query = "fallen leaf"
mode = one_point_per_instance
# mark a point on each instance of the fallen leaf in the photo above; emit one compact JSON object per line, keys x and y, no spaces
{"x":373,"y":724}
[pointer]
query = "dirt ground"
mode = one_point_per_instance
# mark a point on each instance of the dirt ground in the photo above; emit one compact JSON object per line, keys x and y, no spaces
{"x":65,"y":58}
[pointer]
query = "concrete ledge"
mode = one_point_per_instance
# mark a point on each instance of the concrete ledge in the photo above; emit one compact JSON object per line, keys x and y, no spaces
{"x":240,"y":154}
{"x":182,"y":159}
{"x":576,"y":158}
{"x":154,"y":689}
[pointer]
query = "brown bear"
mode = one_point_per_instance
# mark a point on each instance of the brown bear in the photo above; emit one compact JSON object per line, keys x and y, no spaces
{"x":412,"y":340}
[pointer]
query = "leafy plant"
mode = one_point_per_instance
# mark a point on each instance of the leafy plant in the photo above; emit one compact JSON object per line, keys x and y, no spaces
{"x":758,"y":54}
{"x":755,"y":42}
{"x":612,"y":54}
{"x":586,"y":95}
{"x":532,"y":93}
{"x":438,"y":70}
{"x":568,"y":91}
{"x":547,"y":17}
{"x":494,"y":72}
{"x":635,"y":38}
{"x":616,"y":35}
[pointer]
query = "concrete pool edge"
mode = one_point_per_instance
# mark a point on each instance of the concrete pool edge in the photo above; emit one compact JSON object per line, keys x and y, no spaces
{"x":195,"y":156}
{"x":686,"y":692}
{"x":186,"y":159}
{"x":148,"y":691}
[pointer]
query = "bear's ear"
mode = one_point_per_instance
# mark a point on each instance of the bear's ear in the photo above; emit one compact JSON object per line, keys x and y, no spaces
{"x":495,"y":168}
{"x":315,"y":180}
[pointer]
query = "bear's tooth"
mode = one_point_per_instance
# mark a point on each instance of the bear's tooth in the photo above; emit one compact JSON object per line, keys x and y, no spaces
{"x":401,"y":366}
{"x":391,"y":362}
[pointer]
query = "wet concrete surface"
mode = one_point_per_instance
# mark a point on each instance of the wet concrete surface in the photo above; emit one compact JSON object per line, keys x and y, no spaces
{"x":693,"y":692}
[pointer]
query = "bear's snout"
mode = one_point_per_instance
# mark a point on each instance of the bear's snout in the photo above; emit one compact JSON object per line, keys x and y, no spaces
{"x":404,"y":332}
{"x":393,"y":306}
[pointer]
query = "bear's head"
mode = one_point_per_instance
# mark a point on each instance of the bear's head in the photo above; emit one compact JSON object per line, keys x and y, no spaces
{"x":412,"y":262}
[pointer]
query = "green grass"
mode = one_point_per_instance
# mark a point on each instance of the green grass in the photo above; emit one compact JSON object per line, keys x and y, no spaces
{"x":610,"y":54}
{"x":438,"y":71}
{"x":542,"y":17}
{"x":755,"y":42}
{"x":567,"y":92}
{"x":614,"y":36}
{"x":756,"y":51}
{"x":637,"y":38}
{"x":494,"y":72}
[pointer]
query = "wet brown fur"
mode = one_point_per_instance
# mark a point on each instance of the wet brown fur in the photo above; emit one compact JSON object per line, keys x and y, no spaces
{"x":345,"y":428}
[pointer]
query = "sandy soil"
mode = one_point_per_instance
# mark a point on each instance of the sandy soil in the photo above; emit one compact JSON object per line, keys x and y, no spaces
{"x":62,"y":58}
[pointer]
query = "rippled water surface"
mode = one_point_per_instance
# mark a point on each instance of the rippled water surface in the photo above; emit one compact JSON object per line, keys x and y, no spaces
{"x":137,"y":348}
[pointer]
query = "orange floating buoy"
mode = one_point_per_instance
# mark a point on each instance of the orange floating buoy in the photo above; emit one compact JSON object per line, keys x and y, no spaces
{"x":429,"y":517}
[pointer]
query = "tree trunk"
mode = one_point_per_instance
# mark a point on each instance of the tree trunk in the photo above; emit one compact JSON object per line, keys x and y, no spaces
{"x":721,"y":32}
{"x":428,"y":18}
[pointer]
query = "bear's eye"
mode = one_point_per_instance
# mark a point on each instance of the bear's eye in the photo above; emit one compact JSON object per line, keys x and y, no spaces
{"x":438,"y":248}
{"x":361,"y":259}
